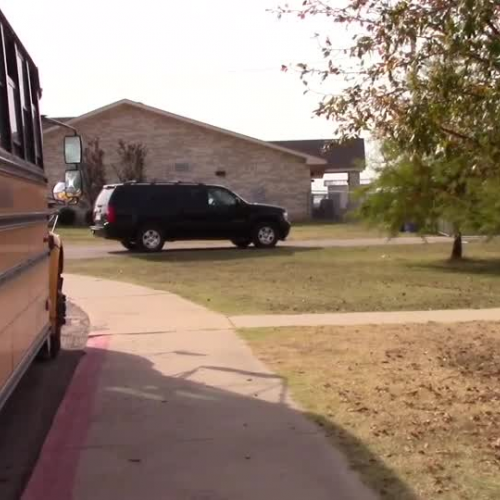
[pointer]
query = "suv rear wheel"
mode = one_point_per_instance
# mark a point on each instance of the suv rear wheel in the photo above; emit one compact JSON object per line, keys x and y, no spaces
{"x":265,"y":235}
{"x":129,"y":244}
{"x":150,"y":239}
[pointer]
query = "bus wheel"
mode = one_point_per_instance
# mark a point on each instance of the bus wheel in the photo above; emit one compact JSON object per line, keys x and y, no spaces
{"x":52,"y":346}
{"x":55,"y":338}
{"x":55,"y":345}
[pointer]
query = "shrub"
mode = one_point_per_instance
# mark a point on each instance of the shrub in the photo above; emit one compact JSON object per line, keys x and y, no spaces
{"x":67,"y":217}
{"x":89,"y":217}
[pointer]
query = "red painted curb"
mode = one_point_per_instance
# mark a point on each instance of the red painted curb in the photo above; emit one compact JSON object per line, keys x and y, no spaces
{"x":55,"y":472}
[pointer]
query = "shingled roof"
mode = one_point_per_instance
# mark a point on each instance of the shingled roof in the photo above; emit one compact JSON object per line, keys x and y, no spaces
{"x":341,"y":157}
{"x":310,"y":160}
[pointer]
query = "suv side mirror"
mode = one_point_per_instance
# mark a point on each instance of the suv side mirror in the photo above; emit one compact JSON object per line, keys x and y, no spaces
{"x":73,"y":149}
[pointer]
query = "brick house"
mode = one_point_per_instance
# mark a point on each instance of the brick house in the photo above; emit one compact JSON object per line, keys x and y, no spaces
{"x":186,"y":150}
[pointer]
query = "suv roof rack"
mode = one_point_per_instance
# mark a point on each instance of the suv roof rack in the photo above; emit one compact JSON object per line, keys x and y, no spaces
{"x":154,"y":183}
{"x":191,"y":183}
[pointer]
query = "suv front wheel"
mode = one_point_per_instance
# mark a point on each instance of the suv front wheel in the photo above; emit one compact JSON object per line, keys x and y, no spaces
{"x":241,"y":242}
{"x":265,"y":235}
{"x":150,"y":239}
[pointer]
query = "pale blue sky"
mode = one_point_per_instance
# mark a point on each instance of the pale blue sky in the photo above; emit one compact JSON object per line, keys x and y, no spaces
{"x":217,"y":61}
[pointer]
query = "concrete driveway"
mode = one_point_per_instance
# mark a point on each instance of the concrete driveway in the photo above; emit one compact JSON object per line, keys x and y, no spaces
{"x":170,"y":404}
{"x":112,"y":249}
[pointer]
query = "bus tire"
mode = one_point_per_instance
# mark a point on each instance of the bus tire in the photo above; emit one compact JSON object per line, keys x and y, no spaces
{"x":55,"y":338}
{"x":52,"y":346}
{"x":55,"y":345}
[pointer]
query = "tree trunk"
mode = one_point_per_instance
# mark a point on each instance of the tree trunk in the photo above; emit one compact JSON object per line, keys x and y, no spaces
{"x":457,"y":252}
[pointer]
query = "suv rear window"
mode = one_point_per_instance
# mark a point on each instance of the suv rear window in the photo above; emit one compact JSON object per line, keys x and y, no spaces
{"x":104,"y":196}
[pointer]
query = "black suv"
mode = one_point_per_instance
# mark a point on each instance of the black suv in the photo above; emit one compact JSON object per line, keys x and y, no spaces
{"x":145,"y":215}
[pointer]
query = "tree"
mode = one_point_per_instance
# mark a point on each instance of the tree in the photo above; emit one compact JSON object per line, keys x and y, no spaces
{"x":423,"y":76}
{"x":411,"y":189}
{"x":94,"y":170}
{"x":132,"y":166}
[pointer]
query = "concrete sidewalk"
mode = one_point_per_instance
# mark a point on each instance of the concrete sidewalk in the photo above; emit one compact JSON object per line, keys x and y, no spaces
{"x":169,"y":404}
{"x":365,"y":318}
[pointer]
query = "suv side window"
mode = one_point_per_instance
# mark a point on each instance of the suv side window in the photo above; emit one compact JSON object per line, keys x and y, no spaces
{"x":194,"y":197}
{"x":129,"y":198}
{"x":163,"y":198}
{"x":219,"y":197}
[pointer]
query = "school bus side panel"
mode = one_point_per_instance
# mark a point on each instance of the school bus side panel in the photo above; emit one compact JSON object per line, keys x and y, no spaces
{"x":24,"y":268}
{"x":55,"y":271}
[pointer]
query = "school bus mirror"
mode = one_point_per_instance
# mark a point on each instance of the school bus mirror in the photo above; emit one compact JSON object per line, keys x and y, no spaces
{"x":73,"y":150}
{"x":68,"y":192}
{"x":73,"y":184}
{"x":59,"y":192}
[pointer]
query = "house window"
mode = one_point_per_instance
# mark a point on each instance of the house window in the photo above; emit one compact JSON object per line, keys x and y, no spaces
{"x":182,"y":167}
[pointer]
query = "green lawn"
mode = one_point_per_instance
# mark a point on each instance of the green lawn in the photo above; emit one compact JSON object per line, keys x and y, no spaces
{"x":78,"y":236}
{"x":297,"y":280}
{"x":326,"y":231}
{"x":415,"y":408}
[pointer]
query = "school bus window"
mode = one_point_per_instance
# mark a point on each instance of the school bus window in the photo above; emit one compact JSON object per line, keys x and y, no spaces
{"x":20,"y":127}
{"x":10,"y":51}
{"x":4,"y":103}
{"x":4,"y":119}
{"x":23,"y":71}
{"x":14,"y":121}
{"x":37,"y":129}
{"x":14,"y":99}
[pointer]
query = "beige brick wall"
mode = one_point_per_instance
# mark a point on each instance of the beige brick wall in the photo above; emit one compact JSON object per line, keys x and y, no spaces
{"x":257,"y":173}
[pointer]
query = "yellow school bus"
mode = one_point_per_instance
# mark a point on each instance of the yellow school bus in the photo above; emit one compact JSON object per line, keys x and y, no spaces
{"x":32,"y":304}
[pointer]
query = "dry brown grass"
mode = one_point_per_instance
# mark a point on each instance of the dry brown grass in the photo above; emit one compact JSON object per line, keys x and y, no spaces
{"x":415,"y":408}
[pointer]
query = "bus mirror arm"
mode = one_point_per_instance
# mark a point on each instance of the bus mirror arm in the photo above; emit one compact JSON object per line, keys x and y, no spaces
{"x":60,"y":124}
{"x":73,"y":148}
